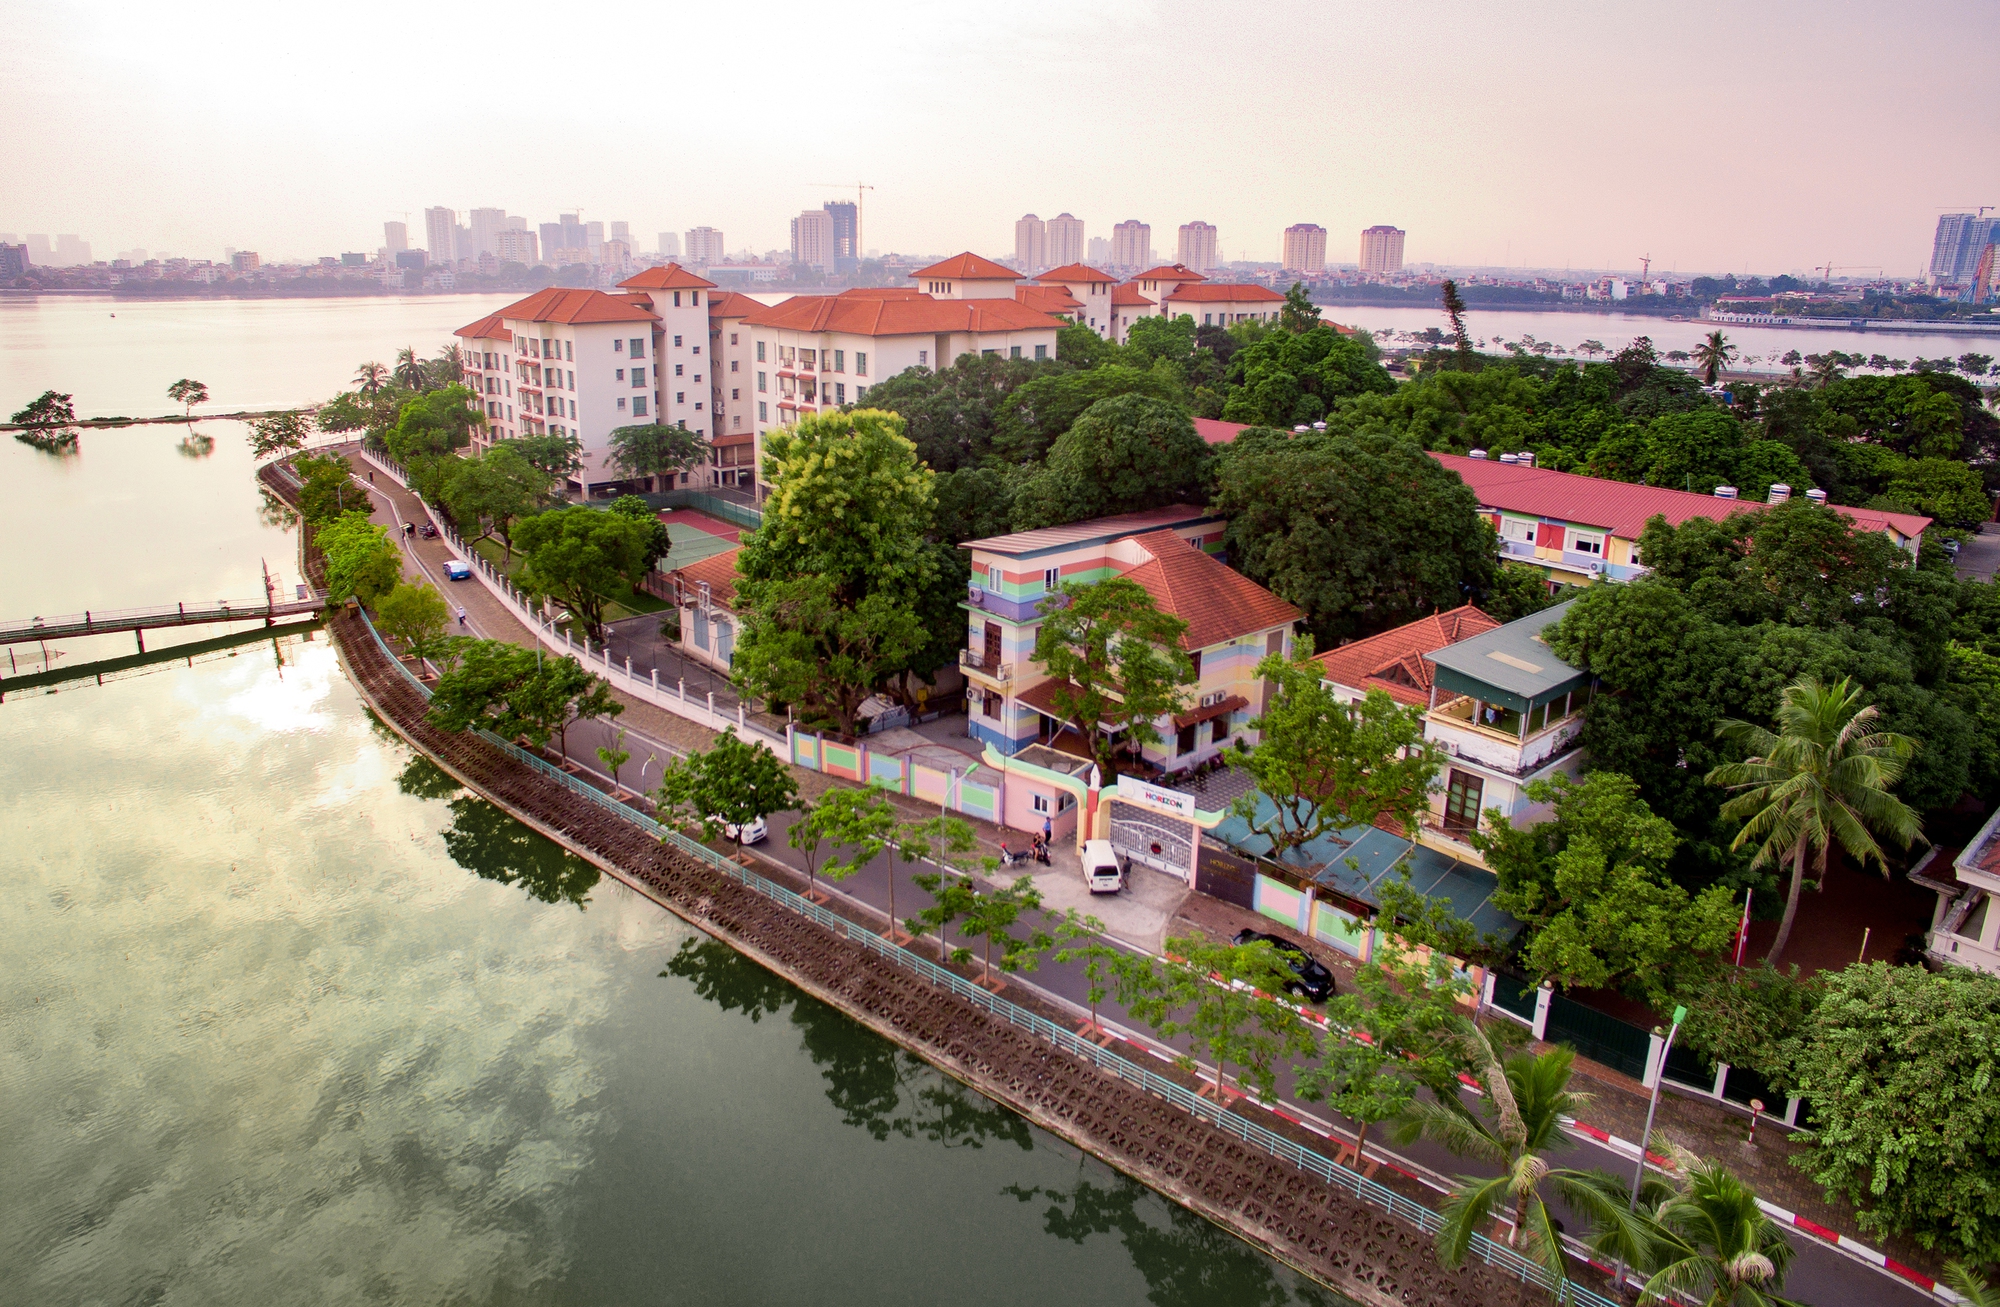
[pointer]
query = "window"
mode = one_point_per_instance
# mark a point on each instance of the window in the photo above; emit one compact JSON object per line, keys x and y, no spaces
{"x":677,"y":342}
{"x":679,"y":369}
{"x":760,"y":381}
{"x":694,"y":297}
{"x":572,"y":408}
{"x":840,"y":392}
{"x":618,"y":346}
{"x":807,"y":358}
{"x":1013,"y":351}
{"x":1513,"y":528}
{"x":621,"y":402}
{"x":860,"y":393}
{"x":697,"y":406}
{"x":1051,"y":577}
{"x":923,"y":358}
{"x":732,"y":338}
{"x":1186,"y":742}
{"x":677,"y":304}
{"x":760,"y":351}
{"x":1194,"y":661}
{"x":763,"y":412}
{"x":638,"y":377}
{"x":1221,"y":732}
{"x":1461,"y":801}
{"x":736,"y":422}
{"x":1588,"y":544}
{"x":989,"y":353}
{"x":680,"y":397}
{"x":569,"y":350}
{"x":860,"y":362}
{"x":1040,"y":803}
{"x":697,"y":349}
{"x":732,"y":364}
{"x":697,"y":378}
{"x":840,"y":360}
{"x":621,"y":374}
{"x":638,"y":406}
{"x":735,"y":393}
{"x":993,"y":578}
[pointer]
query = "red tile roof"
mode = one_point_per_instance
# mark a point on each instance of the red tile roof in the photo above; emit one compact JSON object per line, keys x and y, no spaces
{"x":1394,"y":660}
{"x":882,"y":293}
{"x":915,"y":316}
{"x":1217,"y":432}
{"x":969,"y":267}
{"x":489,"y":327}
{"x":1216,"y":602}
{"x":732,"y":304}
{"x":1075,"y":272}
{"x":1048,"y":299}
{"x":719,"y":570}
{"x":1170,"y":272}
{"x":557,"y":304}
{"x":1226,"y":292}
{"x":670,"y":277}
{"x":1143,"y":522}
{"x":1127,"y":293}
{"x":1619,"y":506}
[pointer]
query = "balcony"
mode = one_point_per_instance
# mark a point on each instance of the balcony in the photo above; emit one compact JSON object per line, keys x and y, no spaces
{"x":976,"y":662}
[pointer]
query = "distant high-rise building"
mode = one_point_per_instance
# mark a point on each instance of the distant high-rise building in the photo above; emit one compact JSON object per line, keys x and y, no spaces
{"x":1305,"y":249}
{"x":551,"y":239}
{"x":572,"y":235}
{"x":846,"y":233}
{"x":1065,"y":240}
{"x":1031,"y":243}
{"x":486,"y":225}
{"x":1382,"y":249}
{"x":622,"y":231}
{"x":1098,"y":250}
{"x":395,"y":237}
{"x":593,"y":240}
{"x":1197,"y":248}
{"x":71,"y":252}
{"x":812,"y":240}
{"x":13,"y":261}
{"x":617,"y":257}
{"x":1131,"y":245}
{"x":515,"y":245}
{"x":245,"y":261}
{"x":40,"y":251}
{"x":1961,"y":238}
{"x":704,"y":247}
{"x":1983,"y":275}
{"x":670,"y":245}
{"x":441,"y":234}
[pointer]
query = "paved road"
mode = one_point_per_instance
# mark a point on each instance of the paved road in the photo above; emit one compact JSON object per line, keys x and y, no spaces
{"x":1979,"y":558}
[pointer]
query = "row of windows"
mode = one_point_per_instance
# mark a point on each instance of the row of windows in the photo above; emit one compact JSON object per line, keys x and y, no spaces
{"x":835,"y":359}
{"x":638,"y":405}
{"x":1524,"y":532}
{"x":537,"y":348}
{"x":638,"y":347}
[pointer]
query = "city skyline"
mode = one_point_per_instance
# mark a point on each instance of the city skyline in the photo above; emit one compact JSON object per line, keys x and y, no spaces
{"x":1628,"y":174}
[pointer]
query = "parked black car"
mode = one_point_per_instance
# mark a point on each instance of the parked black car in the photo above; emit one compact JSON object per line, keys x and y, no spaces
{"x":1313,"y":980}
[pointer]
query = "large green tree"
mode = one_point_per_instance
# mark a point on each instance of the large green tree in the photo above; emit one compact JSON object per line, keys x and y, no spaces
{"x":513,"y":691}
{"x":1036,"y":413}
{"x":434,"y":423}
{"x":1114,"y":662}
{"x":1591,"y":886}
{"x":1219,"y":997}
{"x":732,"y":784}
{"x":1323,"y":765}
{"x":1362,"y":532}
{"x":415,"y":614}
{"x":1821,"y":780}
{"x":1122,"y":455}
{"x":1898,"y":1065}
{"x":950,"y":415}
{"x":1710,"y":1242}
{"x":652,"y":449}
{"x":360,"y":558}
{"x":582,"y":558}
{"x":488,"y":494}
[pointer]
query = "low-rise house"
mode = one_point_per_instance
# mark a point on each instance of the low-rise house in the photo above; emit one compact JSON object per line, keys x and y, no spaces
{"x":1965,"y":931}
{"x":705,"y":595}
{"x":1224,"y":304}
{"x":1232,"y":623}
{"x":1580,"y":529}
{"x":1090,"y":289}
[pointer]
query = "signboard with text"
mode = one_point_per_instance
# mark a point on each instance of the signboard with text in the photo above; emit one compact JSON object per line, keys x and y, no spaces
{"x":1172,"y":803}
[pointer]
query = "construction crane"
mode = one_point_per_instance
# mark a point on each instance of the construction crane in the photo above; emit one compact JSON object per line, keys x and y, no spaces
{"x":859,"y":208}
{"x":1645,"y":267}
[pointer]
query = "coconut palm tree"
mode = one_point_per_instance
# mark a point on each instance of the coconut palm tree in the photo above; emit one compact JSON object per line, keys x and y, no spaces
{"x":371,"y":377}
{"x":1970,"y":1285}
{"x":1712,"y":1244}
{"x":1713,"y":355}
{"x":1526,"y":1098}
{"x":1823,"y":778}
{"x":409,"y":371}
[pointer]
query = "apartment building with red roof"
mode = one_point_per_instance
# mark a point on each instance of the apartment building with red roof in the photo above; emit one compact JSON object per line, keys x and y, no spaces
{"x":1578,"y":529}
{"x":1091,"y":290}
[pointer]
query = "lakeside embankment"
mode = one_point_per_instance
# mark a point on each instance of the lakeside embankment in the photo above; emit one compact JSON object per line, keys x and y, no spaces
{"x":1303,"y":1221}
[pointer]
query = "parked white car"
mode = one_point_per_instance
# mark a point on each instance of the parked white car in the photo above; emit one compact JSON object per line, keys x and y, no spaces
{"x":1103,"y":869}
{"x":754,"y":833}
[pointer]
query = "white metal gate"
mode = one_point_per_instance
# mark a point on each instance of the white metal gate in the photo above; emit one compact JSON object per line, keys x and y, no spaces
{"x":1153,"y":839}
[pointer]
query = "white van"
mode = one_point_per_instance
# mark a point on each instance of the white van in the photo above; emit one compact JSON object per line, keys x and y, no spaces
{"x":1103,"y":869}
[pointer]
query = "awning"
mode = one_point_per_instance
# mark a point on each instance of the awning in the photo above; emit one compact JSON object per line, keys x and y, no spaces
{"x":1234,"y":703}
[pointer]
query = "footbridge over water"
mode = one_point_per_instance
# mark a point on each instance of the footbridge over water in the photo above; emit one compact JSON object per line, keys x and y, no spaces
{"x":40,"y":630}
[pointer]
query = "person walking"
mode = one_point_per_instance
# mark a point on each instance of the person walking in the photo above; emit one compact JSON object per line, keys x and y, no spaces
{"x":461,"y":614}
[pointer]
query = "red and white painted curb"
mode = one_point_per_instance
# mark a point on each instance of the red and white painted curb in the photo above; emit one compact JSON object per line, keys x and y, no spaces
{"x":1854,"y":1248}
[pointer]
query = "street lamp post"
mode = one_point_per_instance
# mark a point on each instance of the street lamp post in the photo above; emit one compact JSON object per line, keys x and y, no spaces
{"x":1660,"y":1074}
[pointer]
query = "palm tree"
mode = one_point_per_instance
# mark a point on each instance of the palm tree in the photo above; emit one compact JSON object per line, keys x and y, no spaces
{"x":1713,"y":355}
{"x":1712,"y":1243}
{"x":1526,"y":1098}
{"x":1971,"y":1285}
{"x":448,"y":368}
{"x":1827,"y":368}
{"x":1822,"y":779}
{"x":409,"y":369}
{"x":371,"y":377}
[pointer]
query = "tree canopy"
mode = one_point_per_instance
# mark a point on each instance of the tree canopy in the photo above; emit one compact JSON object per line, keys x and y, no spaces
{"x":582,"y":558}
{"x":1114,"y":664}
{"x":1120,"y":456}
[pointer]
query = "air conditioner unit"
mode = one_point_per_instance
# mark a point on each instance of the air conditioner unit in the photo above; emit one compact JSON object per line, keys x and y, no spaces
{"x":976,"y":596}
{"x":1450,"y":747}
{"x":1210,"y":700}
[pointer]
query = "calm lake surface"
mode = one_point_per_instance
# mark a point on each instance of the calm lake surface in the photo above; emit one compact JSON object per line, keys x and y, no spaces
{"x":287,"y":1017}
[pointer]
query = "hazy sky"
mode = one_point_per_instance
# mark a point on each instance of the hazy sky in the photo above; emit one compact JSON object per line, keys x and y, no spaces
{"x":1764,"y":136}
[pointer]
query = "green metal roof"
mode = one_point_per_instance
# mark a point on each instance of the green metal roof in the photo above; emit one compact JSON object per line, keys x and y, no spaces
{"x":1509,"y":665}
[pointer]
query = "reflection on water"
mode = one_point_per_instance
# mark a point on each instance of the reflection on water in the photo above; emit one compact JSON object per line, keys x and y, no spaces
{"x":196,"y":445}
{"x":488,"y":843}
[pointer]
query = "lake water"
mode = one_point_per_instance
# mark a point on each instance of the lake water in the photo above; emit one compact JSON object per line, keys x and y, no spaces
{"x":286,"y":1017}
{"x":1493,"y":327}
